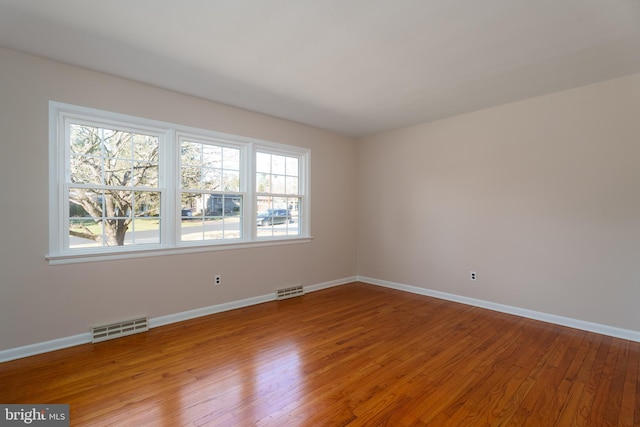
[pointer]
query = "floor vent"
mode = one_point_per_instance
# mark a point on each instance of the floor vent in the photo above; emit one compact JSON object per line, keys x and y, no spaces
{"x":120,"y":329}
{"x":289,"y":292}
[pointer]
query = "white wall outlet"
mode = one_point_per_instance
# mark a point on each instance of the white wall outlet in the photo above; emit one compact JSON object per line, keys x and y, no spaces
{"x":473,"y":276}
{"x":217,"y":279}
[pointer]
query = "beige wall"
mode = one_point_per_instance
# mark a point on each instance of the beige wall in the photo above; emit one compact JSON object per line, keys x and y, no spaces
{"x":540,"y":197}
{"x":39,"y":302}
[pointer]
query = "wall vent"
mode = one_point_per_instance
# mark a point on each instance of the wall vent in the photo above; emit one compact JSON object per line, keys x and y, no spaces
{"x":120,"y":329}
{"x":289,"y":292}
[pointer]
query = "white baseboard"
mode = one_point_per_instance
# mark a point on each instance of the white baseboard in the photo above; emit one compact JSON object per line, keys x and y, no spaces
{"x":60,"y":343}
{"x":84,"y":338}
{"x":44,"y":347}
{"x":626,"y":334}
{"x":218,"y":308}
{"x":331,"y":284}
{"x":205,"y":311}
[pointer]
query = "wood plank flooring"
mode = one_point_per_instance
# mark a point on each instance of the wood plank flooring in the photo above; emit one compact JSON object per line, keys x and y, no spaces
{"x":353,"y":355}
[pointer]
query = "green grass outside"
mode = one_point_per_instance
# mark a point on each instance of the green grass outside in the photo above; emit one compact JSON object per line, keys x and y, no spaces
{"x":141,"y":224}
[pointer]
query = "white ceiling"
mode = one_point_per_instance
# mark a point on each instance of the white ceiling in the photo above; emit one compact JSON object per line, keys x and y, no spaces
{"x":352,"y":66}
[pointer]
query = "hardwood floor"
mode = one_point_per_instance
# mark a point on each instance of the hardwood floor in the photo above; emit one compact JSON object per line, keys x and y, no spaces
{"x":356,"y":355}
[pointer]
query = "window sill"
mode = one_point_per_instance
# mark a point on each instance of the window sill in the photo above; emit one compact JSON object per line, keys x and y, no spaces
{"x":177,"y":250}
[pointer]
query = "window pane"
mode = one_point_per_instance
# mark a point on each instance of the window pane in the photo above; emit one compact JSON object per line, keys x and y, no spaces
{"x":84,"y":140}
{"x":279,"y":174}
{"x":211,"y":179}
{"x":219,"y":217}
{"x":191,"y":229}
{"x":232,"y":228}
{"x":211,"y":228}
{"x":190,"y":153}
{"x":145,"y":147}
{"x":85,"y":233}
{"x":211,"y":156}
{"x":215,"y":204}
{"x":278,"y":164}
{"x":85,"y":170}
{"x":263,"y":162}
{"x":222,"y":228}
{"x":191,"y":177}
{"x":118,"y":172}
{"x":231,"y":158}
{"x":292,"y":166}
{"x":231,"y":181}
{"x":85,"y":202}
{"x":116,"y":143}
{"x":117,"y":203}
{"x":106,"y":215}
{"x":192,"y":204}
{"x":223,"y":205}
{"x":292,"y":185}
{"x":278,"y":216}
{"x":216,"y":170}
{"x":277,"y":184}
{"x":106,"y":157}
{"x":263,"y":183}
{"x":146,"y":174}
{"x":145,"y":231}
{"x":125,"y":148}
{"x":147,"y":204}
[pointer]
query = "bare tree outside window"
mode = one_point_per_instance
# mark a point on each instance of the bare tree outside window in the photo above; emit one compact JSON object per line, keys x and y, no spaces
{"x":113,"y":185}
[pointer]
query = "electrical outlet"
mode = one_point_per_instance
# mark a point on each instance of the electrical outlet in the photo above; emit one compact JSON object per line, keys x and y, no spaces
{"x":473,"y":276}
{"x":217,"y":279}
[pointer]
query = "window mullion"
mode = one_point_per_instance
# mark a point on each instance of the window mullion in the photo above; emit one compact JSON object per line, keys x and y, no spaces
{"x":250,"y":181}
{"x":86,"y":143}
{"x":169,"y":184}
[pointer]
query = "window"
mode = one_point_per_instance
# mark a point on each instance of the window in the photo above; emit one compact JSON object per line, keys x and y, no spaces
{"x":112,"y":186}
{"x":277,"y":194}
{"x":123,"y":186}
{"x":211,"y":201}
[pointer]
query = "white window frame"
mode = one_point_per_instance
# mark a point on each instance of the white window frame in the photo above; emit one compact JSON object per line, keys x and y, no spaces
{"x":303,"y":188}
{"x":169,"y":185}
{"x":245,"y":181}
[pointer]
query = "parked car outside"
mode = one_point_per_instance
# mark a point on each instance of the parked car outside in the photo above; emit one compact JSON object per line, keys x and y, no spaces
{"x":274,"y":216}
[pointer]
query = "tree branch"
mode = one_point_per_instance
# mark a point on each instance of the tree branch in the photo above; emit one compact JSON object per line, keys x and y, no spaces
{"x":84,"y":233}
